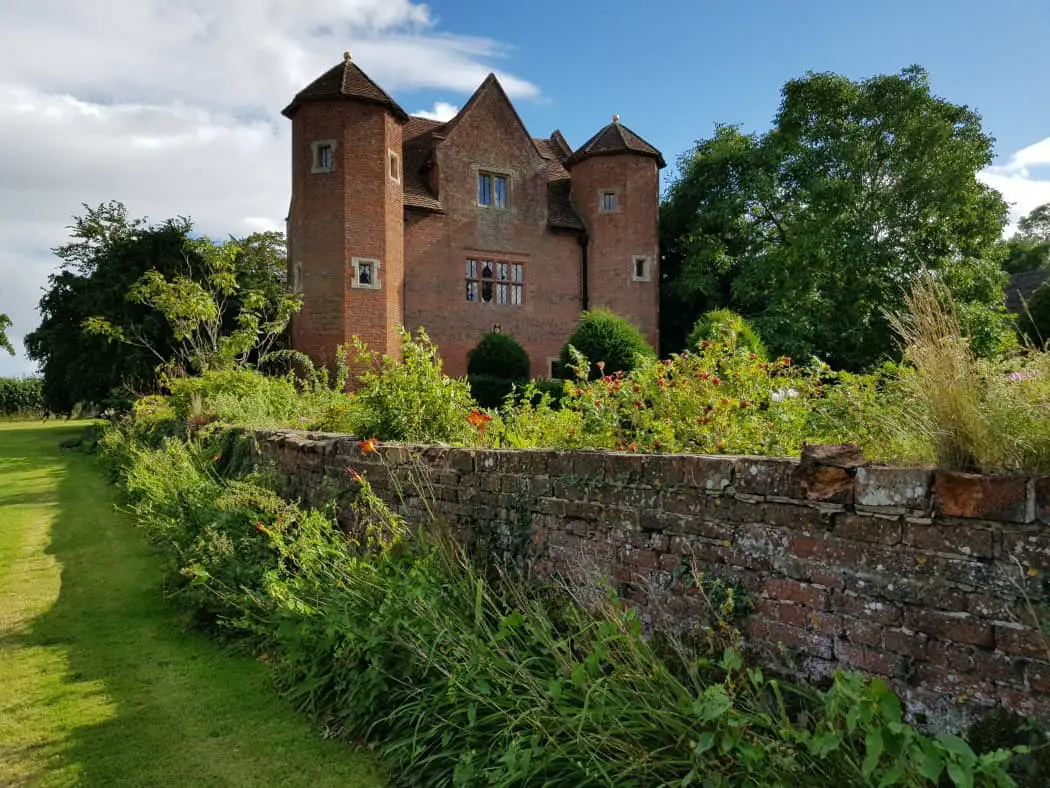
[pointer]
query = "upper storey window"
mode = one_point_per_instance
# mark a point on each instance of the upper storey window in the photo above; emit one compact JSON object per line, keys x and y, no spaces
{"x":608,"y":201}
{"x":492,"y":190}
{"x":323,"y":152}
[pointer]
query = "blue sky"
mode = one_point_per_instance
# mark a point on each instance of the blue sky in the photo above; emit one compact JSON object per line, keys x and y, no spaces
{"x":173,"y":106}
{"x":676,"y":67}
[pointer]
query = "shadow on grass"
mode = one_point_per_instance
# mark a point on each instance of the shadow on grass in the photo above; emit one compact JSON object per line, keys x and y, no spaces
{"x":169,"y":708}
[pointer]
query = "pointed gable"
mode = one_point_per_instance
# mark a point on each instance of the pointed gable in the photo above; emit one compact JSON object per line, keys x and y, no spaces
{"x":345,"y":81}
{"x":490,"y":88}
{"x":615,"y":138}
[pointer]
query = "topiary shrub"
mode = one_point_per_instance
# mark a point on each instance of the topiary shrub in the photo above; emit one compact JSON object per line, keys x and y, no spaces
{"x":726,"y":325}
{"x":501,"y":356}
{"x":605,"y":337}
{"x":495,"y":366}
{"x":1035,"y":316}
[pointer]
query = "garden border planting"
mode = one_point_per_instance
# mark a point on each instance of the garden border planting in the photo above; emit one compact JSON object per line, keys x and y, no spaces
{"x":936,"y":581}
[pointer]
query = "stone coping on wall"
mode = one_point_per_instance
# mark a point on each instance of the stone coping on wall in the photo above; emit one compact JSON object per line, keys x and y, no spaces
{"x":935,"y":580}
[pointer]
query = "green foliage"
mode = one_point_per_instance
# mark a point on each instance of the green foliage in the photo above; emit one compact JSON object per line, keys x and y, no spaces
{"x":457,"y":675}
{"x":490,"y":391}
{"x":408,"y":400}
{"x":611,"y":342}
{"x":198,"y":304}
{"x":499,"y":355}
{"x":1035,"y":320}
{"x":495,"y":366}
{"x":722,"y":399}
{"x":1025,"y":254}
{"x":110,"y":256}
{"x":21,"y":396}
{"x":1036,"y":225}
{"x":729,"y":327}
{"x":816,"y":228}
{"x":5,"y":343}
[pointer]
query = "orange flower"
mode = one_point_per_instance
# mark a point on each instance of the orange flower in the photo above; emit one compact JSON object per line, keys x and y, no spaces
{"x":260,"y":527}
{"x":1033,"y":572}
{"x":601,"y":366}
{"x":479,"y":420}
{"x":216,"y":457}
{"x":354,"y":475}
{"x":369,"y":446}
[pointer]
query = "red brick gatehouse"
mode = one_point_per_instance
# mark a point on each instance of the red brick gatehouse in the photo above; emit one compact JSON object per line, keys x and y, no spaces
{"x":463,"y":226}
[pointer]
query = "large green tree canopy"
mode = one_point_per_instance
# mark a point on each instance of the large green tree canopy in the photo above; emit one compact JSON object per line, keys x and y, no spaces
{"x":125,"y":276}
{"x":814,"y":229}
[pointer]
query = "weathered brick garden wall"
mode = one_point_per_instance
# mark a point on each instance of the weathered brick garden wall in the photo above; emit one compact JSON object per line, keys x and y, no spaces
{"x":936,"y":581}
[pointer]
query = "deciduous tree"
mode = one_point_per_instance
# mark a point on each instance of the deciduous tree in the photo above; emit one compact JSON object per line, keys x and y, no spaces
{"x":815,"y":229}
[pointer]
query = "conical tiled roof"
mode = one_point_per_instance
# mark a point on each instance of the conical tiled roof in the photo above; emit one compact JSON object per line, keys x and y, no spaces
{"x":344,"y":81}
{"x":615,"y":138}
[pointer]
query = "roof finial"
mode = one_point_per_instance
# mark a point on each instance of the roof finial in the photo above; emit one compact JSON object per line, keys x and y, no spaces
{"x":616,"y":118}
{"x":346,"y":56}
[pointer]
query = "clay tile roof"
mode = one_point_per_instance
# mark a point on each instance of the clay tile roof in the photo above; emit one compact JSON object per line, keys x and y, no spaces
{"x":560,"y":213}
{"x":419,"y":136}
{"x":344,"y":81}
{"x":549,"y":153}
{"x":615,"y":138}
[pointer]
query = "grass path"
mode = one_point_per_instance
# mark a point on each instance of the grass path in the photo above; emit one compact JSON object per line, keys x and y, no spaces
{"x":99,"y":686}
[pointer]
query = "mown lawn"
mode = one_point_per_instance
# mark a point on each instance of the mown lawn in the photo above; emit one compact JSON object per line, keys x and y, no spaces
{"x":99,"y":684}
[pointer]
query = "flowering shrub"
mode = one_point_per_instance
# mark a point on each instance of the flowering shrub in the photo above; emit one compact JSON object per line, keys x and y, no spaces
{"x":722,"y":399}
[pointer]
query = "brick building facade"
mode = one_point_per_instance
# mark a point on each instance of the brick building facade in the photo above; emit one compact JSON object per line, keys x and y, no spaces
{"x":461,"y":227}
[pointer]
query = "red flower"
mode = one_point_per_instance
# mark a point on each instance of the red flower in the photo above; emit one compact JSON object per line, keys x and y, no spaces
{"x":751,"y":356}
{"x":354,"y":475}
{"x":725,"y":400}
{"x":661,"y":383}
{"x":743,"y":403}
{"x":715,"y":380}
{"x":369,"y":446}
{"x":639,"y":404}
{"x":633,"y":447}
{"x":260,"y":527}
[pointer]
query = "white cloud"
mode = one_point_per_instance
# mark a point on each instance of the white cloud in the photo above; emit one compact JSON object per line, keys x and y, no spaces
{"x":442,"y":111}
{"x":172,"y":107}
{"x":1024,"y":180}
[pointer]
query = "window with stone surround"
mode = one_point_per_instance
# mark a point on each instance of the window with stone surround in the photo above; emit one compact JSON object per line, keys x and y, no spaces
{"x":609,"y":201}
{"x":395,"y":167}
{"x":495,"y":282}
{"x":366,"y":273}
{"x":322,"y":156}
{"x":640,"y":269}
{"x":493,"y":190}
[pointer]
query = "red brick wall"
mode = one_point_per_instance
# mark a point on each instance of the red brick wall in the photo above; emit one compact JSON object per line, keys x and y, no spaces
{"x":921,"y":577}
{"x":437,"y":246}
{"x":615,"y":238}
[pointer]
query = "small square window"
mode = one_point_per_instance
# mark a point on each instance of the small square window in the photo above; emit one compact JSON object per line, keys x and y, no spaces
{"x":609,"y":201}
{"x":395,"y":167}
{"x":492,"y":190}
{"x":366,"y":274}
{"x":640,"y":269}
{"x":323,"y":153}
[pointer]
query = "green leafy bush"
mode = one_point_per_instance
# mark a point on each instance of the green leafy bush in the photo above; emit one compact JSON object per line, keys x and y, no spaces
{"x":610,"y":342}
{"x":411,"y":400}
{"x":730,"y":328}
{"x":1035,"y":320}
{"x":21,"y":396}
{"x":495,"y":367}
{"x":501,"y":356}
